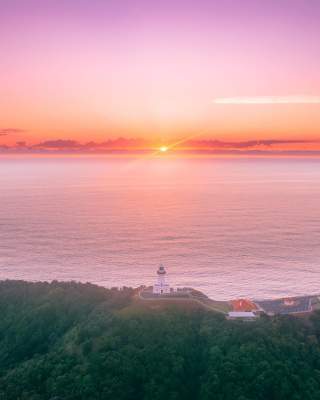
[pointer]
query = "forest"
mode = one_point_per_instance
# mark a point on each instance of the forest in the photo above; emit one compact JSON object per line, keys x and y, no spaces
{"x":73,"y":341}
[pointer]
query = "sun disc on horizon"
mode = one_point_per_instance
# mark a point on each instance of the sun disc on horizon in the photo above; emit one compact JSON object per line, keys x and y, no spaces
{"x":163,"y":149}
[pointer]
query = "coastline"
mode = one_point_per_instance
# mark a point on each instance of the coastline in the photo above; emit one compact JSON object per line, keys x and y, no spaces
{"x":292,"y":305}
{"x":297,"y":305}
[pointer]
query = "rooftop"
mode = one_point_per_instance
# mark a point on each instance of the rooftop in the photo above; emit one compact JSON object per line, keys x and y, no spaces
{"x":241,"y":314}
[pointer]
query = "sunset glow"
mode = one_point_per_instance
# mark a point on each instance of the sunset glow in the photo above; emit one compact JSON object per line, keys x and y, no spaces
{"x":89,"y":72}
{"x":159,"y":192}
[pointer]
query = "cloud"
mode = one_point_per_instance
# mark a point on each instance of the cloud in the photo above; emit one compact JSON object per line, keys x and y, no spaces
{"x":59,"y":144}
{"x":131,"y":144}
{"x":7,"y":131}
{"x":119,"y":143}
{"x":218,"y":144}
{"x":135,"y":146}
{"x":73,"y":145}
{"x":298,"y":99}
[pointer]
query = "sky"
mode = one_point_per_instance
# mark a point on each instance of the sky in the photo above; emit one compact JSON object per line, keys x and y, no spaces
{"x":79,"y":71}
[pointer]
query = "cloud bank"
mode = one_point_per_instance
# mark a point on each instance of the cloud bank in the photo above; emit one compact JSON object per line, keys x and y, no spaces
{"x":132,"y":146}
{"x":298,"y":99}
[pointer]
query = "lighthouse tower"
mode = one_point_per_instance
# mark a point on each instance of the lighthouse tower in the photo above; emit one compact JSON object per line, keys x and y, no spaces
{"x":161,"y":287}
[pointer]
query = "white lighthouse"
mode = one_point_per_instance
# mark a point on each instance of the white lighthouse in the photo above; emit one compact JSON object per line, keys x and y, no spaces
{"x":161,"y":287}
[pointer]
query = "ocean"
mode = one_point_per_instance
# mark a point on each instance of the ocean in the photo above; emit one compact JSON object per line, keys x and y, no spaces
{"x":228,"y":227}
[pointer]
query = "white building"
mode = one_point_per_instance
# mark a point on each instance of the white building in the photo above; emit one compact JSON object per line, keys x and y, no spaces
{"x":161,"y":287}
{"x":246,"y":315}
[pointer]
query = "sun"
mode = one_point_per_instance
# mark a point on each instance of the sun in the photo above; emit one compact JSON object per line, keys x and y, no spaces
{"x":163,"y":149}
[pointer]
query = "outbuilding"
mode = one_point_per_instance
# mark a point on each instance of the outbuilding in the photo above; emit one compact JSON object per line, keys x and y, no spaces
{"x":243,"y":315}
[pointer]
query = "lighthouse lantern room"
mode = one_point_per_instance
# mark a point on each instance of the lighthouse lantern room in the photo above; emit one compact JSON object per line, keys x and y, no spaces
{"x":161,"y":286}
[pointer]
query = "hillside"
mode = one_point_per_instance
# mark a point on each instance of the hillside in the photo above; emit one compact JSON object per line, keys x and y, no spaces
{"x":79,"y":341}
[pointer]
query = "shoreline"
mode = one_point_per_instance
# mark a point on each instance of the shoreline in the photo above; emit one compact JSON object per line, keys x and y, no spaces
{"x":289,"y":305}
{"x":293,"y":305}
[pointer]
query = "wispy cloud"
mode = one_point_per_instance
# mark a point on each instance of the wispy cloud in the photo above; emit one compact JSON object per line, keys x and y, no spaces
{"x":297,"y":99}
{"x":68,"y":144}
{"x":7,"y":131}
{"x":218,"y":144}
{"x":58,"y":144}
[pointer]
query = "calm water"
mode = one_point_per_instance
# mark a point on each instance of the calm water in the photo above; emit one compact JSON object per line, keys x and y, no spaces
{"x":227,"y":227}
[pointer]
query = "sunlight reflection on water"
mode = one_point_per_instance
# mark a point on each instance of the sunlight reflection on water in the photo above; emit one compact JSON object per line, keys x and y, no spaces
{"x":227,"y":227}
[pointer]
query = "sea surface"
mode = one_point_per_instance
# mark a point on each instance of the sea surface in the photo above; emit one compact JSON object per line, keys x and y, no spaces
{"x":228,"y":227}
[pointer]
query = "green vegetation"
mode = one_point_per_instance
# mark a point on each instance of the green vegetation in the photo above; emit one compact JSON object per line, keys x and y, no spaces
{"x":74,"y":341}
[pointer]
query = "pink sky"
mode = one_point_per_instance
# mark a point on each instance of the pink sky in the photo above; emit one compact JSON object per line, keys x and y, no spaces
{"x":94,"y":70}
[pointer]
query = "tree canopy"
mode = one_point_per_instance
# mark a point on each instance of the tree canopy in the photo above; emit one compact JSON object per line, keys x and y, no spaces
{"x":73,"y":341}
